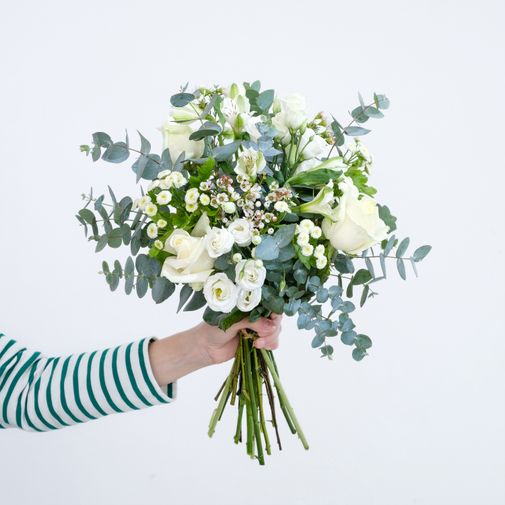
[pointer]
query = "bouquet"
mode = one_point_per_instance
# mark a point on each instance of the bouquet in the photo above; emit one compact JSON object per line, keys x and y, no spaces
{"x":253,"y":207}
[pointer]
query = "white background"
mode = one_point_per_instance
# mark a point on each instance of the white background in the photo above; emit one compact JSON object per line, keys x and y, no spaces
{"x":421,"y":420}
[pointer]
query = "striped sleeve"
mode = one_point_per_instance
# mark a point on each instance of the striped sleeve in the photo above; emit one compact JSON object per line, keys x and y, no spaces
{"x":39,"y":393}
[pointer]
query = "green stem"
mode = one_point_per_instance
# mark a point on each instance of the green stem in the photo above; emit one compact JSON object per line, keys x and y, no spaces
{"x":283,"y":398}
{"x":238,"y":432}
{"x":260,"y":401}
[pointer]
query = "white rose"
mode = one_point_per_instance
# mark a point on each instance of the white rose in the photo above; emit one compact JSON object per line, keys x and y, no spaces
{"x":248,"y":299}
{"x":250,"y":162}
{"x":191,"y":262}
{"x":218,"y":241}
{"x":311,"y":145}
{"x":250,"y":274}
{"x":220,"y":293}
{"x":355,"y":224}
{"x":176,"y":138}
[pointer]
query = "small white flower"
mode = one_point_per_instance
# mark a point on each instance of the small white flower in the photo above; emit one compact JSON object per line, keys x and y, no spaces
{"x":153,"y":184}
{"x":281,"y":207}
{"x":256,"y":240}
{"x":307,"y":250}
{"x":229,"y":207}
{"x":177,"y":179}
{"x":164,"y":197}
{"x":316,"y":232}
{"x":166,"y":183}
{"x":158,"y":244}
{"x":163,"y":174}
{"x":218,"y":241}
{"x":302,"y":238}
{"x":306,"y":225}
{"x":152,"y":231}
{"x":270,"y":231}
{"x":196,"y":286}
{"x":319,"y":251}
{"x":151,"y":209}
{"x":248,"y":299}
{"x":236,"y":257}
{"x":191,"y":207}
{"x":162,"y":223}
{"x":249,"y":275}
{"x":321,"y":262}
{"x":204,"y":199}
{"x":259,"y":263}
{"x":191,"y":196}
{"x":144,"y":201}
{"x":220,"y":293}
{"x":204,"y":186}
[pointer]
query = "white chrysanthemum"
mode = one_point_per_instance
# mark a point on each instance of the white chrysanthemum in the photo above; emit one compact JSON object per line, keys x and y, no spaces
{"x":191,"y":207}
{"x":164,"y":197}
{"x":229,"y":207}
{"x":177,"y":179}
{"x":142,"y":202}
{"x":302,"y":238}
{"x":158,"y":244}
{"x":153,"y":184}
{"x":316,"y":232}
{"x":319,"y":251}
{"x":164,"y":173}
{"x":166,"y":183}
{"x":256,"y":240}
{"x":151,"y":209}
{"x":191,"y":196}
{"x":204,"y":199}
{"x":236,"y":257}
{"x":321,"y":262}
{"x":162,"y":223}
{"x":306,"y":225}
{"x":307,"y":249}
{"x":152,"y":231}
{"x":281,"y":207}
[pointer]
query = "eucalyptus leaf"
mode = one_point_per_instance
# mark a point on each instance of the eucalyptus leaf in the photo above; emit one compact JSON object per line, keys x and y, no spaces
{"x":421,"y":252}
{"x":116,"y":153}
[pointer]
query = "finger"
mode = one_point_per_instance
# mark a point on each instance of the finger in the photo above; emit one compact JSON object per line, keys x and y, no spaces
{"x":262,"y":326}
{"x":275,"y":317}
{"x":270,"y":342}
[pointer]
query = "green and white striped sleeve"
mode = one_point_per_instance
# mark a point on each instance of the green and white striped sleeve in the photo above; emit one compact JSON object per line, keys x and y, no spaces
{"x":38,"y":393}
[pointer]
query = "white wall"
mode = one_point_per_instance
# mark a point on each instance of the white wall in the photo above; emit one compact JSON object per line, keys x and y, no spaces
{"x":420,"y":421}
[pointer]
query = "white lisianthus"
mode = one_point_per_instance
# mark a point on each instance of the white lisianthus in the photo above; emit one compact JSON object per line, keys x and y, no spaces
{"x":191,"y":196}
{"x":150,"y":209}
{"x":307,"y":249}
{"x":307,"y":164}
{"x":241,"y":230}
{"x":250,"y":163}
{"x":281,"y":207}
{"x":218,"y":241}
{"x":321,"y":262}
{"x":176,"y":138}
{"x":316,"y":232}
{"x":321,"y":204}
{"x":190,"y":263}
{"x":164,"y":197}
{"x":248,"y":299}
{"x":152,"y":231}
{"x":355,"y":224}
{"x":250,"y":274}
{"x":311,"y":145}
{"x":302,"y":238}
{"x":220,"y":293}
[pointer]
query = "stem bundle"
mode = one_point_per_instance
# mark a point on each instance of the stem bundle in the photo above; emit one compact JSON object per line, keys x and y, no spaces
{"x":251,"y":372}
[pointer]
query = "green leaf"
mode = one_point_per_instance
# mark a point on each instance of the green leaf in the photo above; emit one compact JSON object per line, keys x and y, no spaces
{"x":147,"y":266}
{"x":223,"y":153}
{"x":181,"y":99}
{"x":87,"y":215}
{"x":381,"y":101}
{"x":270,"y":245}
{"x":197,"y":302}
{"x":227,"y":320}
{"x":361,"y":277}
{"x":402,"y":247}
{"x":162,"y":289}
{"x":141,"y":286}
{"x":116,"y":153}
{"x":184,"y":295}
{"x":359,"y":115}
{"x":363,"y":341}
{"x":372,"y":112}
{"x":101,"y":139}
{"x":145,"y":145}
{"x":382,"y":260}
{"x":337,"y":131}
{"x":206,"y":130}
{"x":101,"y":243}
{"x":265,"y":100}
{"x":421,"y":252}
{"x":317,"y":341}
{"x":400,"y":265}
{"x":364,"y":295}
{"x":387,"y":217}
{"x":314,"y":177}
{"x":355,"y":131}
{"x":389,"y":245}
{"x":358,"y":354}
{"x":344,"y":264}
{"x":115,"y":238}
{"x":129,"y":270}
{"x":326,"y":350}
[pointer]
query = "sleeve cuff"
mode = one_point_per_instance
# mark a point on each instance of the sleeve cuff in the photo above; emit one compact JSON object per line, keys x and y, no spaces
{"x":146,"y":382}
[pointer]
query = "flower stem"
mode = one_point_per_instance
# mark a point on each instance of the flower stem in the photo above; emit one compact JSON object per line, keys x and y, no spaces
{"x":283,"y":398}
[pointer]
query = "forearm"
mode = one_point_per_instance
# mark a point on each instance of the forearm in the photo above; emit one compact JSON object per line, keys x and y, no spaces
{"x":178,"y":355}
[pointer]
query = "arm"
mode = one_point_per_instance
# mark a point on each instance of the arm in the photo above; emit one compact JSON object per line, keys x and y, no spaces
{"x":38,"y":393}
